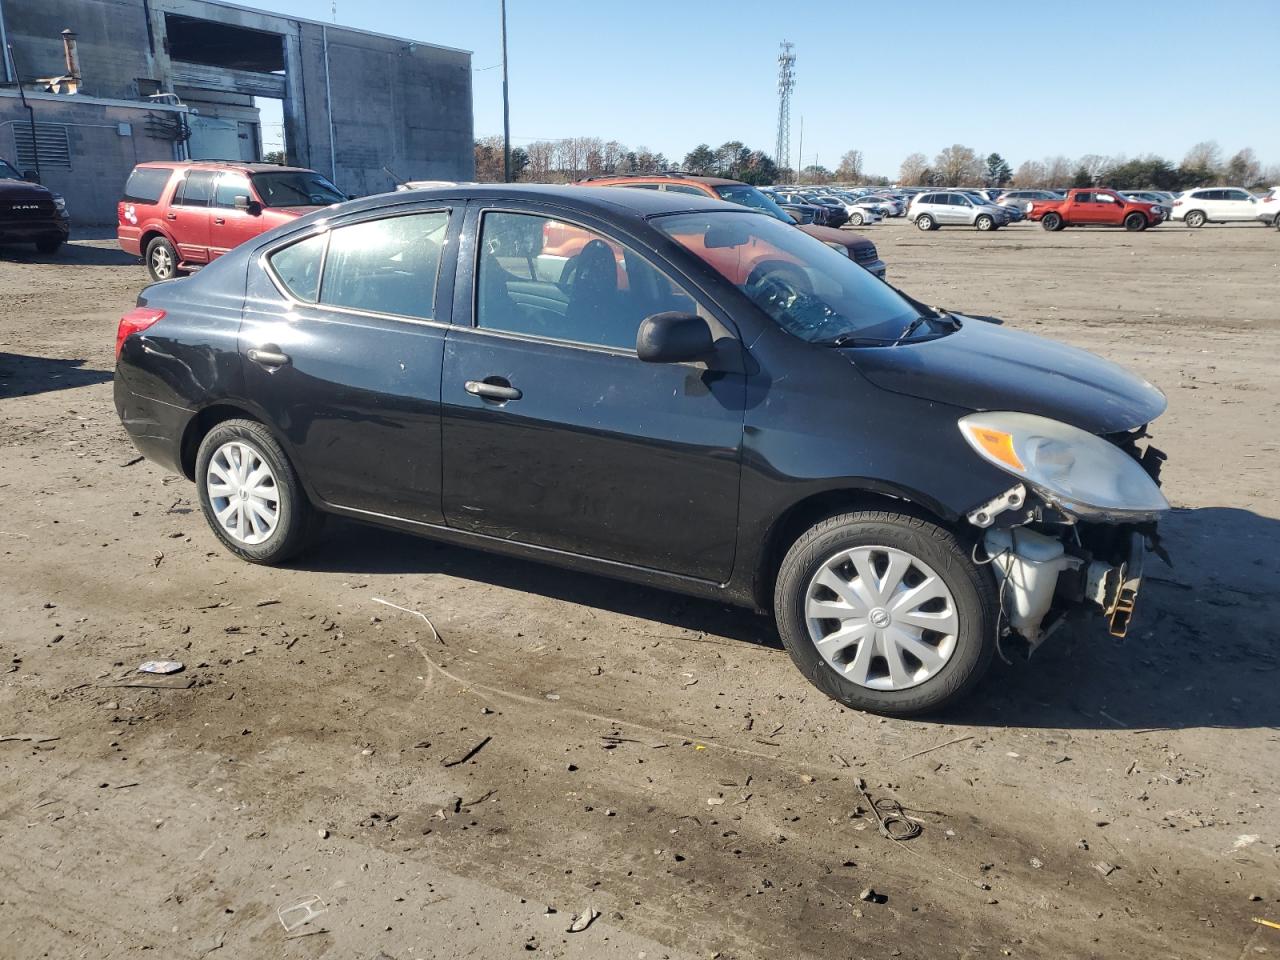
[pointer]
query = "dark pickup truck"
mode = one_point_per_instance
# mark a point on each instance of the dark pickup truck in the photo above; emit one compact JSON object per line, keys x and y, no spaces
{"x":30,"y":213}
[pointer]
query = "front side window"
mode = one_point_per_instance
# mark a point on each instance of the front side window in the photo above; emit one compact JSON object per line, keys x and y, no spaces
{"x":230,"y":186}
{"x":386,"y":266}
{"x":8,"y":172}
{"x":296,"y":188}
{"x":746,"y":195}
{"x":807,"y":288}
{"x":1238,"y":195}
{"x":546,"y":278}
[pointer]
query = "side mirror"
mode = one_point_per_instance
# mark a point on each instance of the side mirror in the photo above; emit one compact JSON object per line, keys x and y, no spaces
{"x":30,"y":176}
{"x":673,"y":338}
{"x":248,"y":205}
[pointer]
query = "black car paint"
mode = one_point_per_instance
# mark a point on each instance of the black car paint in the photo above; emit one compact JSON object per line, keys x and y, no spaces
{"x":28,"y":214}
{"x":676,"y":475}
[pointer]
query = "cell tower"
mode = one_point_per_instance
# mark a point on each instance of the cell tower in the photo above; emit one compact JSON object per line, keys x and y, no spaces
{"x":786,"y":84}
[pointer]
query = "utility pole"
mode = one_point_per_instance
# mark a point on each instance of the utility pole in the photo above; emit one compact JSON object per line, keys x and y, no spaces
{"x":800,"y":162}
{"x":506,"y":103}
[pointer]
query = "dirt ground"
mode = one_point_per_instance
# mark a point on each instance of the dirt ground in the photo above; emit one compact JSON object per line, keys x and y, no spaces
{"x":575,"y":744}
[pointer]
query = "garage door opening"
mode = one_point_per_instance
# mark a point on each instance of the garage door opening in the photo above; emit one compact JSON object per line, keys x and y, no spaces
{"x":225,"y":45}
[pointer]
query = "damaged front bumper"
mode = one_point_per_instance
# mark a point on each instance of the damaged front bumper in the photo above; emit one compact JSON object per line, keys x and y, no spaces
{"x":1050,"y":563}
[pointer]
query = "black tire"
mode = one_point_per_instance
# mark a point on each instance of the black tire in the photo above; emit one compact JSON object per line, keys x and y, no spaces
{"x":855,"y":219}
{"x":1135,"y":222}
{"x":1051,"y":221}
{"x":49,"y":246}
{"x":984,"y":223}
{"x":972,"y":588}
{"x":298,"y":523}
{"x":1195,"y":219}
{"x":925,"y":222}
{"x":161,"y":259}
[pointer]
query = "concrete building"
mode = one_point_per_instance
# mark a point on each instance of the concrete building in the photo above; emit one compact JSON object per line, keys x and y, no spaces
{"x":110,"y":83}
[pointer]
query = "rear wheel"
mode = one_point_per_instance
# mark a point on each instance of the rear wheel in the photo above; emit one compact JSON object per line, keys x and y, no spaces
{"x":925,"y":222}
{"x":49,"y":245}
{"x":1134,"y":222}
{"x":250,"y":494}
{"x":886,"y":612}
{"x":855,"y":219}
{"x":1051,"y":221}
{"x":162,"y":259}
{"x":1196,"y":218}
{"x":984,"y":223}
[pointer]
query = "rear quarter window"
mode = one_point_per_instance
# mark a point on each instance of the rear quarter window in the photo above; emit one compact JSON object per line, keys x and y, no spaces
{"x":297,"y":267}
{"x":146,"y":184}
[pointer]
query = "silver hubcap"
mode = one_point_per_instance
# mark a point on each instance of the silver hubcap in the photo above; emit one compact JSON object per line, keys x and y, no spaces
{"x":243,"y":493}
{"x":161,"y":263}
{"x":881,"y":618}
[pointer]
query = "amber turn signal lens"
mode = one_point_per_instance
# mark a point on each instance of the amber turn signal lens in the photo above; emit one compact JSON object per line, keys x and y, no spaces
{"x":998,"y":444}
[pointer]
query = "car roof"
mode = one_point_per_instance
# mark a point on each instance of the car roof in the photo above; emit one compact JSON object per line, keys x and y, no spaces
{"x":663,"y":178}
{"x":243,"y":165}
{"x":640,"y":203}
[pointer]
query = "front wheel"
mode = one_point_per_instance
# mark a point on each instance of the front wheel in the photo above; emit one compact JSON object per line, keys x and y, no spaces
{"x":856,"y":219}
{"x":924,"y":222}
{"x":1135,"y":222}
{"x":250,"y":494}
{"x":1196,"y":218}
{"x":886,"y":612}
{"x":1051,"y":222}
{"x":49,"y":246}
{"x":984,"y":223}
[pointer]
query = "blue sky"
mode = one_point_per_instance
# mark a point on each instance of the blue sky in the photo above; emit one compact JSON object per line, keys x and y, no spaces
{"x":1026,"y":79}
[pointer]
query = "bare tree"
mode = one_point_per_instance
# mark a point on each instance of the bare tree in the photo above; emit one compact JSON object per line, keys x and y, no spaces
{"x":540,"y":154}
{"x":1094,"y":165}
{"x":1244,"y":169}
{"x":850,"y":167}
{"x":1031,"y":174}
{"x":1205,"y":155}
{"x":958,"y":165}
{"x":1057,"y":171}
{"x":913,"y":169}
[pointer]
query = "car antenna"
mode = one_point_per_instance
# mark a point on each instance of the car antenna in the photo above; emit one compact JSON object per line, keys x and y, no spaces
{"x":396,"y":178}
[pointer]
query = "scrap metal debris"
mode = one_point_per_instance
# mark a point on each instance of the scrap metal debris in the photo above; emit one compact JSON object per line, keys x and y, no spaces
{"x":451,"y":762}
{"x":302,"y":912}
{"x":582,"y":920}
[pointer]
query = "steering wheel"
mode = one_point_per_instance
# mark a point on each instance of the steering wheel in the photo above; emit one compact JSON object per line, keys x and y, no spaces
{"x":780,"y":284}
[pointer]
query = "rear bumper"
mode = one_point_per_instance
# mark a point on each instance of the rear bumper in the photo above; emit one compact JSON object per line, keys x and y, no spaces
{"x":156,"y":428}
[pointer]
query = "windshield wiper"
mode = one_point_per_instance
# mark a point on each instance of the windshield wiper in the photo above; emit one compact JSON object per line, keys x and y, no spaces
{"x":912,"y":327}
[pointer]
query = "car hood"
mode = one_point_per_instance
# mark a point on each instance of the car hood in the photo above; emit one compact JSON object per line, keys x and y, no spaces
{"x":983,"y":366}
{"x":22,"y":190}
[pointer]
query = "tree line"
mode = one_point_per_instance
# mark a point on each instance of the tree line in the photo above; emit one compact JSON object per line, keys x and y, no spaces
{"x":573,"y":158}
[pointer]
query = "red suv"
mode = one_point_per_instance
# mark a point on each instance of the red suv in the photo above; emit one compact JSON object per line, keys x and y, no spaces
{"x":184,"y":214}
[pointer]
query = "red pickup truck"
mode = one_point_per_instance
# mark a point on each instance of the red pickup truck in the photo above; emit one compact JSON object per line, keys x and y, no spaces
{"x":1096,"y":207}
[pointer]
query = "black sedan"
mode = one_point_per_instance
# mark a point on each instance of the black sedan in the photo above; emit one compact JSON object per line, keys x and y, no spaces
{"x":664,"y":388}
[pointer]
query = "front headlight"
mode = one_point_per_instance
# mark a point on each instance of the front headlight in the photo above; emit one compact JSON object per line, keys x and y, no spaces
{"x":1083,"y":475}
{"x":839,"y":248}
{"x":60,"y":203}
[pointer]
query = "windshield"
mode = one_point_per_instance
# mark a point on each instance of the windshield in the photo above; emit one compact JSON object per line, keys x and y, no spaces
{"x":748,"y":196}
{"x":296,"y":188}
{"x":806,"y":287}
{"x":7,"y":172}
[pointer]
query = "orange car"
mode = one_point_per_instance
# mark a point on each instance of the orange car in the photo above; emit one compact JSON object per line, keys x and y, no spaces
{"x":858,"y":248}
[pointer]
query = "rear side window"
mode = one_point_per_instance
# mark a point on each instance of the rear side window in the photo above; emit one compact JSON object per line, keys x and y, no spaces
{"x":298,"y":266}
{"x":146,"y":184}
{"x":197,"y":191}
{"x":386,"y":266}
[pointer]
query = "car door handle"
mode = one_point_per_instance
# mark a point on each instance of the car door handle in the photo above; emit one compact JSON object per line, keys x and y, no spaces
{"x":492,"y":391}
{"x":171,"y":216}
{"x":219,"y":220}
{"x":268,"y":355}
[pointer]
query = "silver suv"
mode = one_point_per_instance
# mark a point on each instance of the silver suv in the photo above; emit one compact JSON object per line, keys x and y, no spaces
{"x":928,"y":211}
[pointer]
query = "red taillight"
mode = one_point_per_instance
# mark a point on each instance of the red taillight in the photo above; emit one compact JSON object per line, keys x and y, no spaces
{"x":135,"y":321}
{"x":1177,"y":203}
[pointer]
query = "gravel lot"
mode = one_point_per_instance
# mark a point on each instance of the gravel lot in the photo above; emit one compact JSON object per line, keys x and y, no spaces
{"x":650,"y":757}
